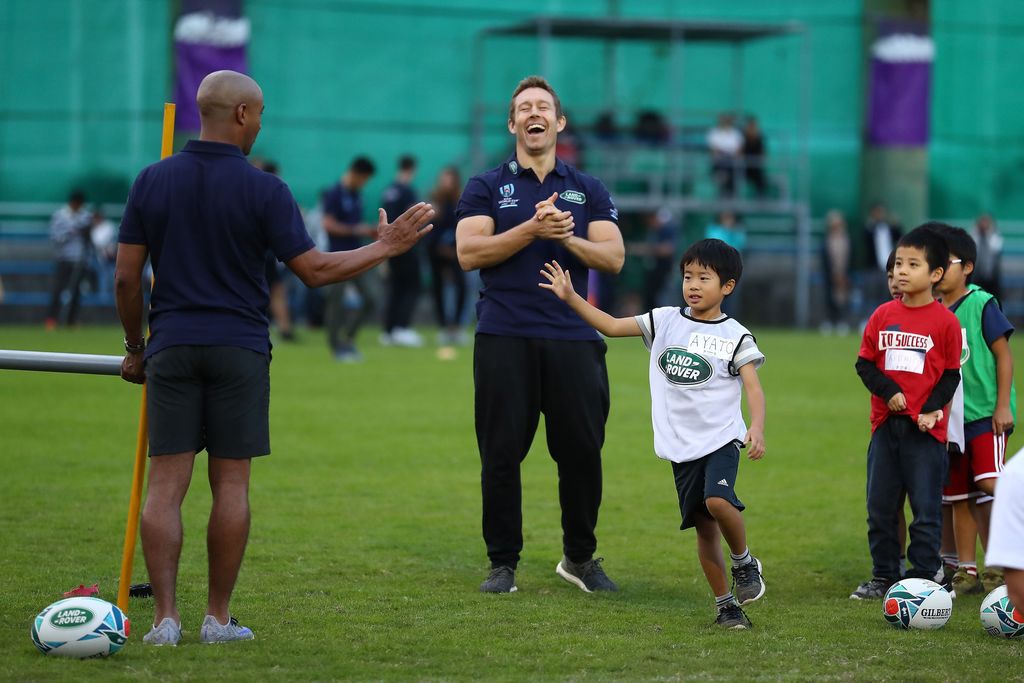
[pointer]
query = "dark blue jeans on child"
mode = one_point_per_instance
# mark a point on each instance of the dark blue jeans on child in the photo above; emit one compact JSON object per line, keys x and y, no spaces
{"x":901,"y":459}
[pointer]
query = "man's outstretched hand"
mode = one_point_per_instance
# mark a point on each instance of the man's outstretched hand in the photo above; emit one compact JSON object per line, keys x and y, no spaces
{"x":406,"y":230}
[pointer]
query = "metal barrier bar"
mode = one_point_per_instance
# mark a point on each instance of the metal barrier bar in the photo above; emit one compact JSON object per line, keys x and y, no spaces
{"x":44,"y":361}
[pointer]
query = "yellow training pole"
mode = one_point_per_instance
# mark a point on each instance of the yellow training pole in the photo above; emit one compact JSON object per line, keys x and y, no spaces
{"x":131,"y":530}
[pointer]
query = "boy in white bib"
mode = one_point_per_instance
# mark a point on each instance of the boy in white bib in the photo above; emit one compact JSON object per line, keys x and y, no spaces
{"x":699,"y":360}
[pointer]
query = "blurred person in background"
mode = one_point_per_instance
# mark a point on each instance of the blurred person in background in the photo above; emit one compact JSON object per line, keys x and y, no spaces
{"x":725,"y":144}
{"x":345,"y":228}
{"x":104,"y":253}
{"x":444,"y":262}
{"x":659,"y":252}
{"x":836,"y":265}
{"x":308,"y":302}
{"x":880,"y":235}
{"x":403,"y":271}
{"x":988,"y":267}
{"x":70,"y":228}
{"x":728,"y":228}
{"x":276,"y":273}
{"x":753,"y":156}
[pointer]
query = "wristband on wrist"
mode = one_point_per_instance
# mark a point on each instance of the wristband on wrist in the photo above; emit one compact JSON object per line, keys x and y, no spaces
{"x":134,"y":348}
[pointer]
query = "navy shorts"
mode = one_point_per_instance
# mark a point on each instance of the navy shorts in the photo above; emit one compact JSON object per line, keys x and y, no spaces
{"x":212,"y":397}
{"x":713,"y":476}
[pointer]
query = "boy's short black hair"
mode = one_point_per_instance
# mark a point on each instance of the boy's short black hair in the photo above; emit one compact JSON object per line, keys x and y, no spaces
{"x":716,"y":255}
{"x":960,"y":243}
{"x":362,"y":166}
{"x":927,"y":239}
{"x":890,"y":265}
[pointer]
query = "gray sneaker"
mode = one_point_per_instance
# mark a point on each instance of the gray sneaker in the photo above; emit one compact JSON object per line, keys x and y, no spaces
{"x":747,"y":584}
{"x":213,"y":631}
{"x":588,"y":576}
{"x":502,"y":579}
{"x":873,"y":589}
{"x":732,"y":617}
{"x":164,"y":633}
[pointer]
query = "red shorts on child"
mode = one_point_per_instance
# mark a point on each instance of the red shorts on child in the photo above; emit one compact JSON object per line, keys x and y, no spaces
{"x":984,"y":459}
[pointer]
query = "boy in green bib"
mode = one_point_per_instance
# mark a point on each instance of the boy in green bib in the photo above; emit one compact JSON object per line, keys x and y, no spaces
{"x":990,"y":403}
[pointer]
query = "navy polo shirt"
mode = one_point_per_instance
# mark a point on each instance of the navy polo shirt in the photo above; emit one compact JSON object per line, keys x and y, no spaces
{"x":208,"y":217}
{"x":345,"y":206}
{"x":511,"y":304}
{"x":397,"y":198}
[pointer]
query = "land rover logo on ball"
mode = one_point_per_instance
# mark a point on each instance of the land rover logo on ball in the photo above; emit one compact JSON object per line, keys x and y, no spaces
{"x":683,"y":367}
{"x":574,"y":197}
{"x":71,"y":617}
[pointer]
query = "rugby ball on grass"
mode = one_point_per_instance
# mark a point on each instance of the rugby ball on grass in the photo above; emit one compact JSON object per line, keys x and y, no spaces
{"x":80,"y":628}
{"x":917,"y":604}
{"x":1000,"y":617}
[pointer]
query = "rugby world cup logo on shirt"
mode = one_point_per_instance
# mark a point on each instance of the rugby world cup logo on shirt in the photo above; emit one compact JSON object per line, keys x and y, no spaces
{"x":684,"y":367}
{"x":507,"y":202}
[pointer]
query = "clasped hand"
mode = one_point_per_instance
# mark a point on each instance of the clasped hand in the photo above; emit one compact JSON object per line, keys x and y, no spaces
{"x":550,"y":223}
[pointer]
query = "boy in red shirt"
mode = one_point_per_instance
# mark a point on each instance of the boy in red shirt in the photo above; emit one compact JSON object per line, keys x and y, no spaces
{"x":910,"y":362}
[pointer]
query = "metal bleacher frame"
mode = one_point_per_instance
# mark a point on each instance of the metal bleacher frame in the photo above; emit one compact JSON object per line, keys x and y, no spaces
{"x":667,"y":186}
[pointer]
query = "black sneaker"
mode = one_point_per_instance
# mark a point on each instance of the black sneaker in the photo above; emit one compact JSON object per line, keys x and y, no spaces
{"x":588,"y":576}
{"x":732,"y":617}
{"x":502,"y":579}
{"x":874,"y":589}
{"x":747,"y":584}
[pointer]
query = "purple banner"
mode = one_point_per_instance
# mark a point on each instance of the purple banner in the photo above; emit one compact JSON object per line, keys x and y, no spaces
{"x":899,"y":105}
{"x":192,"y":62}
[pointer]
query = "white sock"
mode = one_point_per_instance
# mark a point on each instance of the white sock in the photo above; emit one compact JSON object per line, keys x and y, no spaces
{"x":740,"y":560}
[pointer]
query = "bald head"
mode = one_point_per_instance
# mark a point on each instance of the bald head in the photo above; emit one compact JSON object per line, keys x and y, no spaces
{"x":230,"y":108}
{"x":221,"y":92}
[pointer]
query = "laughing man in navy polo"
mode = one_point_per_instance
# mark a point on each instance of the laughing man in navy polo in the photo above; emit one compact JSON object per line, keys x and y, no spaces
{"x":532,"y":354}
{"x":206,"y":218}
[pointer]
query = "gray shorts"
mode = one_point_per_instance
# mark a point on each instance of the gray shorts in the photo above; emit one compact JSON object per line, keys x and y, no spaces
{"x":713,"y":476}
{"x":212,"y":397}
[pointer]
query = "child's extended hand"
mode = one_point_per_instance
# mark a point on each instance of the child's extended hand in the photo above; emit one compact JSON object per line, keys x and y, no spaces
{"x":1002,"y":420}
{"x":754,"y":440}
{"x":926,"y":421}
{"x":558,"y":281}
{"x":898,"y":402}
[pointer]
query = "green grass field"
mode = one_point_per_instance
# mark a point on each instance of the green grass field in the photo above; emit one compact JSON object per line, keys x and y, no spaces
{"x":365,"y":553}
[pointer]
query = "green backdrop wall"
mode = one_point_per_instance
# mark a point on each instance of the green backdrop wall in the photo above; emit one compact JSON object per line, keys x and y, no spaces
{"x":84,"y":80}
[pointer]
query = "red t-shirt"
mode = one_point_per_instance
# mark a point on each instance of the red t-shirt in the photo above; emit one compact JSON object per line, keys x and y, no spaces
{"x":913,"y":347}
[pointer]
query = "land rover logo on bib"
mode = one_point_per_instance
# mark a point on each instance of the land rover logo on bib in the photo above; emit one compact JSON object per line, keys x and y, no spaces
{"x":71,"y":617}
{"x":574,"y":197}
{"x":684,"y":367}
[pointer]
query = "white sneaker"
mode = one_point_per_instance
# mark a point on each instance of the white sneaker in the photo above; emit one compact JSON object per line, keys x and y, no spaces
{"x":403,"y":336}
{"x":165,"y":633}
{"x":213,"y":631}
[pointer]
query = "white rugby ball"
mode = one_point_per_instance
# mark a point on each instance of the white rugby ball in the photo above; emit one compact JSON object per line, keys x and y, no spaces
{"x":918,"y":604}
{"x":999,"y":616}
{"x":80,"y":627}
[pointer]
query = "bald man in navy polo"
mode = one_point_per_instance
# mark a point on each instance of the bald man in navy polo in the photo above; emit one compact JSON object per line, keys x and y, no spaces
{"x":532,"y":354}
{"x":206,"y":219}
